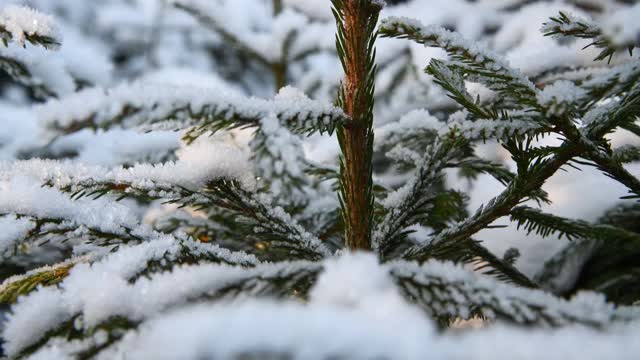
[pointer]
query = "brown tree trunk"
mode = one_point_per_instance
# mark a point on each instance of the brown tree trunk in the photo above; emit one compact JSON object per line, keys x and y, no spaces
{"x":277,"y":7}
{"x":357,"y":138}
{"x":279,"y":69}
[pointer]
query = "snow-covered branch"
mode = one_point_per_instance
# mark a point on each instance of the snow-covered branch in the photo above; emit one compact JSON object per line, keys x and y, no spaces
{"x":95,"y":294}
{"x":280,"y":161}
{"x":448,"y":291}
{"x":618,"y":31}
{"x":216,"y":329}
{"x":161,"y":253}
{"x":535,"y":221}
{"x":138,"y":315}
{"x":34,"y":216}
{"x":612,"y":83}
{"x":407,"y":205}
{"x":204,"y":181}
{"x":19,"y":24}
{"x":15,"y":286}
{"x":289,"y":37}
{"x":204,"y":110}
{"x":35,"y":68}
{"x":480,"y":64}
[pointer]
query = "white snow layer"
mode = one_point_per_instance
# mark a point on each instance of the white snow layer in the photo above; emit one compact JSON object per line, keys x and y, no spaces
{"x":295,"y":331}
{"x":432,"y":35}
{"x":557,"y":96}
{"x":622,"y":27}
{"x":44,"y":69}
{"x":355,"y":311}
{"x":141,"y":103}
{"x":21,"y":21}
{"x":267,"y":36}
{"x":197,"y":163}
{"x":21,"y":191}
{"x":23,"y":196}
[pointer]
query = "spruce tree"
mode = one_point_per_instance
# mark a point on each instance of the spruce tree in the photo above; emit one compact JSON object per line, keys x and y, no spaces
{"x":260,"y":253}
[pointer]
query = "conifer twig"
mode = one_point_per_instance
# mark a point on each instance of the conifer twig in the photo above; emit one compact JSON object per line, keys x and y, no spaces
{"x":520,"y":188}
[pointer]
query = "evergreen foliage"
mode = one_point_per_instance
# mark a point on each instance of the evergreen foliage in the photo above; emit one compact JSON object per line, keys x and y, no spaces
{"x":239,"y":212}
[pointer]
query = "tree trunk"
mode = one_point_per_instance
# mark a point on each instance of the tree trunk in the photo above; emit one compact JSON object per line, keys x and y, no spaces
{"x":277,"y":7}
{"x":356,"y":33}
{"x":279,"y":69}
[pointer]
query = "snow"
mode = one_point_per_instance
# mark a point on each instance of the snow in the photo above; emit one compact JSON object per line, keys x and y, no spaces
{"x":452,"y":14}
{"x":197,"y":164}
{"x":431,"y":35}
{"x":622,"y":27}
{"x":317,"y":8}
{"x":267,"y":40}
{"x":301,"y":332}
{"x":86,"y":60}
{"x":179,"y":76}
{"x":456,"y":45}
{"x":45,"y":269}
{"x":422,"y":121}
{"x":573,"y":22}
{"x":103,"y":283}
{"x":402,"y":203}
{"x":570,"y":267}
{"x":560,"y":95}
{"x":225,"y":331}
{"x":116,"y":147}
{"x":102,"y":290}
{"x":482,"y":129}
{"x":21,"y":195}
{"x":619,"y":76}
{"x":133,"y":105}
{"x":292,"y":230}
{"x":279,"y":158}
{"x":202,"y":161}
{"x":21,"y":22}
{"x":11,"y":228}
{"x":43,"y":70}
{"x":600,"y":113}
{"x":79,"y":60}
{"x":34,"y":307}
{"x":353,"y":280}
{"x":131,"y":65}
{"x":410,"y":123}
{"x":356,"y":317}
{"x":19,"y":131}
{"x":21,"y":134}
{"x":534,"y":54}
{"x":466,"y":290}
